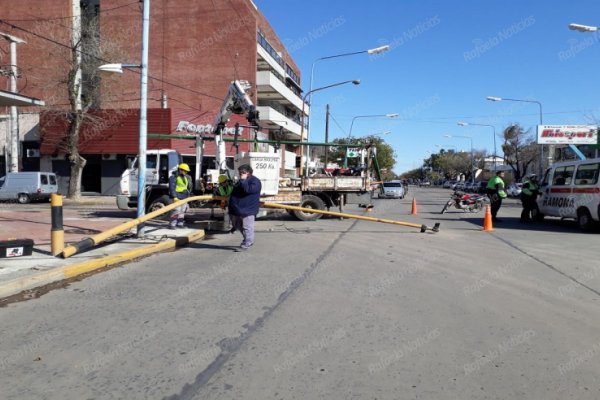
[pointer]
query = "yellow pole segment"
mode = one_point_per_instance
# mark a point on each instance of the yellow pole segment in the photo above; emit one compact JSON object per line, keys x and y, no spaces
{"x":344,"y":215}
{"x":102,"y":236}
{"x":57,"y":233}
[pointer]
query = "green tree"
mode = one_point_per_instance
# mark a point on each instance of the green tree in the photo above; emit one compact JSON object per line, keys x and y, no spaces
{"x":386,"y":157}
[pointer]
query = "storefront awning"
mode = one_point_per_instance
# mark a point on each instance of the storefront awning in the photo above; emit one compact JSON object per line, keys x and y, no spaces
{"x":8,"y":99}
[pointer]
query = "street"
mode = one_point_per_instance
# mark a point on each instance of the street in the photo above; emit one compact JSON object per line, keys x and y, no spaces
{"x":331,"y":309}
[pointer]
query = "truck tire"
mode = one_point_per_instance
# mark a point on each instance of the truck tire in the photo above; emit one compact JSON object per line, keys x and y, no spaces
{"x":23,"y":198}
{"x":584,"y":220}
{"x":159,"y":203}
{"x":310,"y":201}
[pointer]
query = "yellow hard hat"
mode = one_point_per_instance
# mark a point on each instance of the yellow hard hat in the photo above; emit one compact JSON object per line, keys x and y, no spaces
{"x":184,"y":167}
{"x":222,"y":178}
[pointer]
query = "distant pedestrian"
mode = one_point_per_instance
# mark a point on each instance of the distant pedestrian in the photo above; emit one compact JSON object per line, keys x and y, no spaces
{"x":244,"y":204}
{"x":529,"y":194}
{"x":180,"y":187}
{"x":495,"y":191}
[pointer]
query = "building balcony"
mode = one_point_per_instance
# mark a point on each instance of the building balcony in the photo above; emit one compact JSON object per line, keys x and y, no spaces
{"x":269,"y":87}
{"x":273,"y":119}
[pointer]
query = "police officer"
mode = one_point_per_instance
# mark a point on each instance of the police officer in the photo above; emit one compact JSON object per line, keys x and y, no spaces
{"x":529,"y":194}
{"x":180,"y":187}
{"x":495,"y":191}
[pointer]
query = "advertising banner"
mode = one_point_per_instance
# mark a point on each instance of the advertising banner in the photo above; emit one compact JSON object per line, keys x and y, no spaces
{"x":567,"y":134}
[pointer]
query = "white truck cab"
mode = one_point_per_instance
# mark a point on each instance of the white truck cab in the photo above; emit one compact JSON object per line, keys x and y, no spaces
{"x":571,"y":189}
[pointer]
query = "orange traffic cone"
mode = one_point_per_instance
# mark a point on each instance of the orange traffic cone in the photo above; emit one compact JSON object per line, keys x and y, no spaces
{"x":413,"y":210}
{"x":487,"y":220}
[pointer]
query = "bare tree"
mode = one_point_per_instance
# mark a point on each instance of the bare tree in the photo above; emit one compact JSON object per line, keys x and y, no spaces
{"x":520,"y":149}
{"x":69,"y":78}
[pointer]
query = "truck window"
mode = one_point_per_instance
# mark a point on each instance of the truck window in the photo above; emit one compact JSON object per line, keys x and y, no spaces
{"x":151,"y":161}
{"x":52,"y":180}
{"x":44,"y":179}
{"x":163,"y":173}
{"x":563,"y":175}
{"x":587,"y":174}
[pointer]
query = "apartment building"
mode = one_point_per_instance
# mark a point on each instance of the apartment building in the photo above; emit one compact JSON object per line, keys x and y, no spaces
{"x":196,"y":49}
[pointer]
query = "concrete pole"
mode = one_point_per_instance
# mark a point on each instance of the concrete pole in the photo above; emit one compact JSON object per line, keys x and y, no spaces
{"x":14,"y":118}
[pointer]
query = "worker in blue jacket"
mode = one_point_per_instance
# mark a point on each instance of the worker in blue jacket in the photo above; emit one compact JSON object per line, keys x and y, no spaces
{"x":244,"y":203}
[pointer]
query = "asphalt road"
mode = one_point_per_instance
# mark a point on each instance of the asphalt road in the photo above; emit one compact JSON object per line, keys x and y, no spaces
{"x":326,"y":310}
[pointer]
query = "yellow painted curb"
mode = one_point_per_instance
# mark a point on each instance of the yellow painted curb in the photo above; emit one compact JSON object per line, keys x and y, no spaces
{"x":61,"y":273}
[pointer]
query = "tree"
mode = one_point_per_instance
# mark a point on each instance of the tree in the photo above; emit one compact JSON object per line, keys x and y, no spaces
{"x":520,"y":149}
{"x":386,"y":157}
{"x":69,"y":78}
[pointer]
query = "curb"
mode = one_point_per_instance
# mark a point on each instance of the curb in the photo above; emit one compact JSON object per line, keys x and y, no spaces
{"x":57,"y":274}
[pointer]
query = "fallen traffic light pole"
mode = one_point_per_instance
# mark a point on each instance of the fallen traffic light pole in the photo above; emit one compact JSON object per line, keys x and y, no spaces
{"x":423,"y":228}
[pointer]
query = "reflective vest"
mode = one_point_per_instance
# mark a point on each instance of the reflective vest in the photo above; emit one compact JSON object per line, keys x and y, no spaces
{"x":495,"y":181}
{"x":225,"y":191}
{"x":181,"y":184}
{"x":529,"y":189}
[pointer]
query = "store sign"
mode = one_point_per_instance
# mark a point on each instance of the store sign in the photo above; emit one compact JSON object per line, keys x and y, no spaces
{"x":567,"y":134}
{"x":352,"y":152}
{"x":185,"y":126}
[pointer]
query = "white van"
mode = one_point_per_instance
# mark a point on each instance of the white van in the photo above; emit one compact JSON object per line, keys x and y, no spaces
{"x":27,"y":186}
{"x":571,"y":189}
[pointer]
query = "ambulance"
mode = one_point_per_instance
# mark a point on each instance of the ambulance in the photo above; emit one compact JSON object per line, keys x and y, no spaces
{"x":571,"y":189}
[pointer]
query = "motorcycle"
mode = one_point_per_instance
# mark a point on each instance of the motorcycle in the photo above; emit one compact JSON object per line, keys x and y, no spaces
{"x":466,"y":202}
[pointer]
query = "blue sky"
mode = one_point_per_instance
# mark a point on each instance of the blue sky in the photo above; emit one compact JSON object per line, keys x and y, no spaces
{"x":446,"y":57}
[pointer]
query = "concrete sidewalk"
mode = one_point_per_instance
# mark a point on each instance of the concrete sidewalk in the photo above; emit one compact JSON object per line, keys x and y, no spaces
{"x":80,"y":220}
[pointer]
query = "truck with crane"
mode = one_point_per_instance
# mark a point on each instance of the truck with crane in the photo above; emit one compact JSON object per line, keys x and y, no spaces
{"x":315,"y":191}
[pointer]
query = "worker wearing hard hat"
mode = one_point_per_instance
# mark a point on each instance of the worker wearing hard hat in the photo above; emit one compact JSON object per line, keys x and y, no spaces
{"x":180,"y":187}
{"x":224,"y":189}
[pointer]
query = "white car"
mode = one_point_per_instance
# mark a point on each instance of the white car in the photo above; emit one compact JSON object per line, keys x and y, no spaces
{"x":514,"y":189}
{"x":392,"y":190}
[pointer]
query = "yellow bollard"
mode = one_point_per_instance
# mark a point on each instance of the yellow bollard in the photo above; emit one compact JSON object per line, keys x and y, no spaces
{"x":57,"y":233}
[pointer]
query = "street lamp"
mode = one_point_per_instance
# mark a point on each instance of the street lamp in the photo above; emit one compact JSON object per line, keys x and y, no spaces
{"x":495,"y":98}
{"x":354,"y":82}
{"x":376,"y":50}
{"x":143,"y":131}
{"x":491,"y":126}
{"x":583,"y":28}
{"x":472,"y":163}
{"x":389,"y":115}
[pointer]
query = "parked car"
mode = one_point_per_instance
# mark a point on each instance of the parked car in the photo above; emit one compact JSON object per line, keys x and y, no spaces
{"x":27,"y":186}
{"x":469,"y":186}
{"x":447,"y":184}
{"x":392,"y":190}
{"x":459,"y":186}
{"x":514,"y":189}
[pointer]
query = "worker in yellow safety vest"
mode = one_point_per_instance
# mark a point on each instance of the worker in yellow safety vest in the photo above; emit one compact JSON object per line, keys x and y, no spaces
{"x":495,"y":191}
{"x":180,"y":187}
{"x":224,"y":189}
{"x":529,"y":195}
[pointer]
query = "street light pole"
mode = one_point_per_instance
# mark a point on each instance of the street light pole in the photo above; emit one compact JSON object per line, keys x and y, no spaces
{"x":376,"y":50}
{"x":141,"y":205}
{"x":389,"y":115}
{"x":472,"y":163}
{"x":541,"y":168}
{"x":355,"y":82}
{"x":13,"y":164}
{"x":491,"y":126}
{"x":143,"y":128}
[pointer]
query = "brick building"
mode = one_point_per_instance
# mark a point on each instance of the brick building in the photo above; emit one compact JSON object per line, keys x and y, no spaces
{"x":196,"y":49}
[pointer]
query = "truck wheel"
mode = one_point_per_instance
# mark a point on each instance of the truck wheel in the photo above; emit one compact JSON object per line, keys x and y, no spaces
{"x":584,"y":219}
{"x":310,"y":201}
{"x":159,"y":203}
{"x":23,"y":198}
